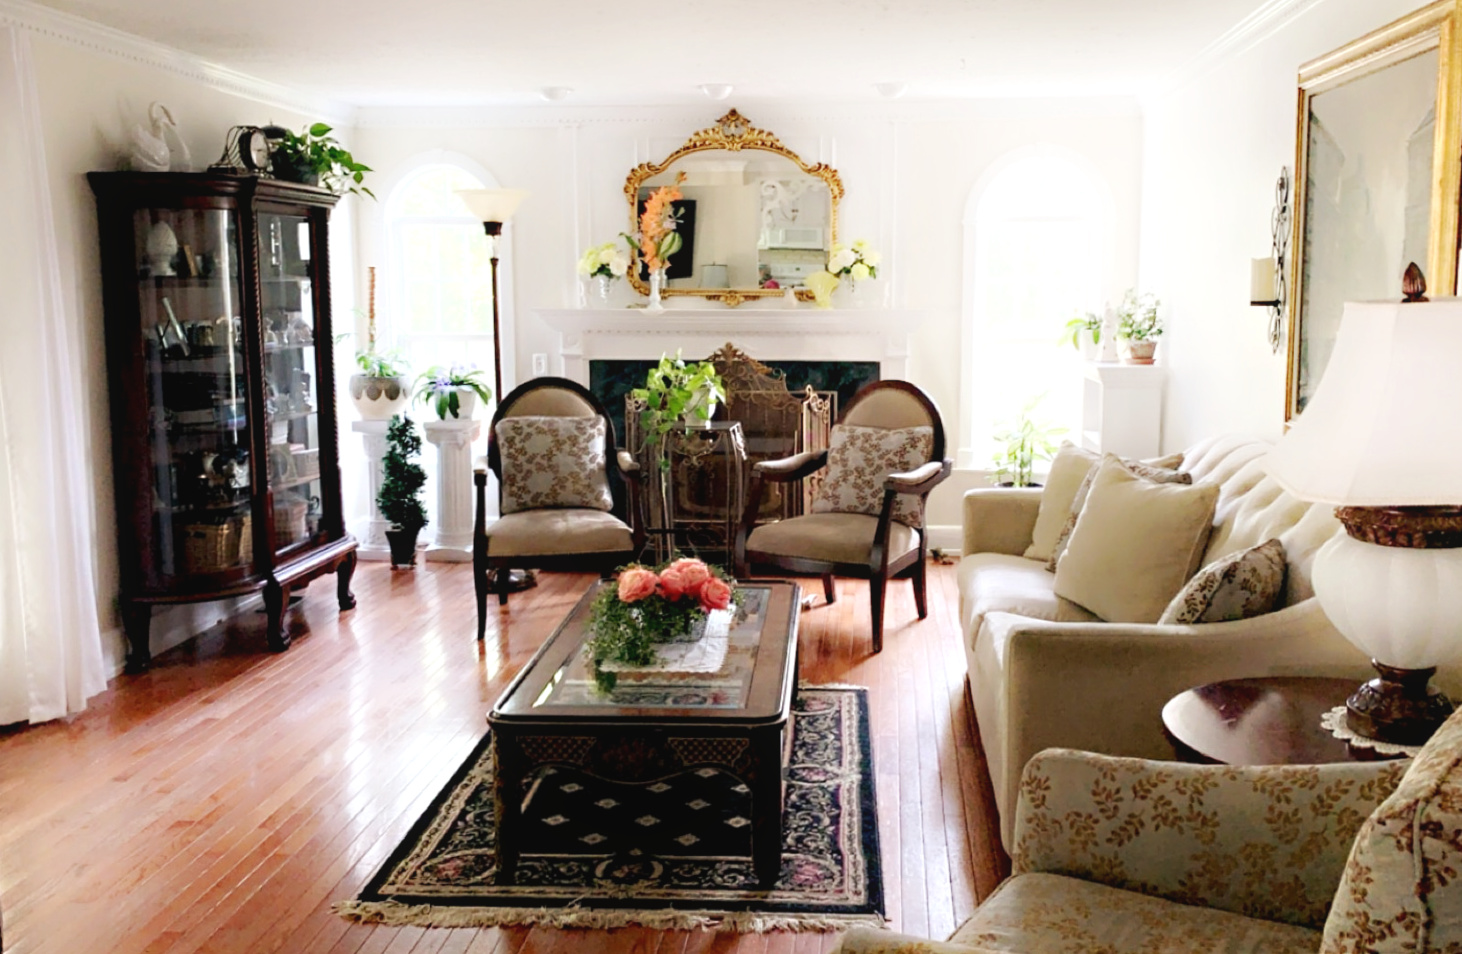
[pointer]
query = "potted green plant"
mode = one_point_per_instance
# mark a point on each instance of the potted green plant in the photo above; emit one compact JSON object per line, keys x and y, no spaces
{"x":315,"y":157}
{"x":1023,"y":443}
{"x":1084,"y":333}
{"x":399,"y":498}
{"x":382,"y":389}
{"x":676,"y":391}
{"x":1138,"y":327}
{"x":453,"y":391}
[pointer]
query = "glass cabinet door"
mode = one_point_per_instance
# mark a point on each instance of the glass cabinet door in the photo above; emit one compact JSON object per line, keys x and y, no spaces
{"x":197,"y":409}
{"x":291,"y":398}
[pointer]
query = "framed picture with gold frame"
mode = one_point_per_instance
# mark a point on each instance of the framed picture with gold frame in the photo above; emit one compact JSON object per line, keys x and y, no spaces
{"x":1377,"y":179}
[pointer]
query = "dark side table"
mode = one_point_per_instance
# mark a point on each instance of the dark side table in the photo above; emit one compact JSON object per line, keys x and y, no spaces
{"x":1265,"y":721}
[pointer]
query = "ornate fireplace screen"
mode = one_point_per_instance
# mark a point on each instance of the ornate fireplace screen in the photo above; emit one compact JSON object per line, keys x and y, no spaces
{"x":699,"y":500}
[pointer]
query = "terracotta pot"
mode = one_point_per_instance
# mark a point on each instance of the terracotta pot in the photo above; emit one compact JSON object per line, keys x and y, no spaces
{"x":403,"y":546}
{"x":1138,"y":352}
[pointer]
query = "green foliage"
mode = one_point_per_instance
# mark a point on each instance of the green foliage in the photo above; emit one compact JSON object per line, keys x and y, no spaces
{"x":1137,"y":318}
{"x":380,"y":364}
{"x":441,"y":387}
{"x":1090,"y":323}
{"x":399,"y":498}
{"x":1025,"y":443}
{"x":315,"y":150}
{"x":672,"y":388}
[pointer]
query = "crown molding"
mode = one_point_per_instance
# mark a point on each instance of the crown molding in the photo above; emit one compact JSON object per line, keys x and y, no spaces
{"x":98,"y":38}
{"x":1267,"y":20}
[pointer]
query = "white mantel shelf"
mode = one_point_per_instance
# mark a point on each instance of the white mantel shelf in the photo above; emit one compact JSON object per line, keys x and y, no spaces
{"x":766,"y":334}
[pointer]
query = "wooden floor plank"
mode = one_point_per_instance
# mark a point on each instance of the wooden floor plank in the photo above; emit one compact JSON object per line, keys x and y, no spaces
{"x":225,"y":800}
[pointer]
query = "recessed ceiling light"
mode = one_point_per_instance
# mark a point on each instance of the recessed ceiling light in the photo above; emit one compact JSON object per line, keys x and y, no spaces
{"x":891,"y":90}
{"x":554,"y":93}
{"x":716,"y":90}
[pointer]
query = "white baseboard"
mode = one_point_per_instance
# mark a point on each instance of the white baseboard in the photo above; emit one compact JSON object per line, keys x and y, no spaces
{"x":174,"y":625}
{"x":949,"y":536}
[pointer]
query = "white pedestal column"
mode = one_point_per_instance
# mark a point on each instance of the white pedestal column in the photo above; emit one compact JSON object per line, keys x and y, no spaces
{"x":452,"y":542}
{"x":372,"y":534}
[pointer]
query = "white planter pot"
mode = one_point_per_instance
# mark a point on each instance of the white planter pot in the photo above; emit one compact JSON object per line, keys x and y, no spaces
{"x":379,"y":399}
{"x":466,"y":404}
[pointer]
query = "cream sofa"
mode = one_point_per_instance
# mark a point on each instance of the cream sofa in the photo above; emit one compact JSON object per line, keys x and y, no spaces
{"x":1130,"y":856}
{"x":1044,"y":672}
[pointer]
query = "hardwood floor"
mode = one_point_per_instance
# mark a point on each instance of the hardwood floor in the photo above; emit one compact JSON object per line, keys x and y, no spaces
{"x":222,"y":801}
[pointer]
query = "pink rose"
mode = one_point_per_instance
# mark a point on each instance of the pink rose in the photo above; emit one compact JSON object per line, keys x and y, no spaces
{"x":636,"y":583}
{"x":683,"y":578}
{"x":715,"y":594}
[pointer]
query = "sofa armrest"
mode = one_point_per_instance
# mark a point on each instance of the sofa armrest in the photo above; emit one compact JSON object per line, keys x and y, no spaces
{"x":865,"y":940}
{"x":1000,"y":519}
{"x":1267,"y":841}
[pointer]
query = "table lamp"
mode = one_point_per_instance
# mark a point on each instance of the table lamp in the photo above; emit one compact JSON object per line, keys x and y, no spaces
{"x":493,"y":207}
{"x":1382,"y":440}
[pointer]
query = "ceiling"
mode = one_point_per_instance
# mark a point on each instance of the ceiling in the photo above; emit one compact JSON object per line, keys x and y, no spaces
{"x":386,"y":52}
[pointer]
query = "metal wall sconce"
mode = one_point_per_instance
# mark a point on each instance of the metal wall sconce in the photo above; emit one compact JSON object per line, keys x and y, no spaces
{"x":1267,"y":285}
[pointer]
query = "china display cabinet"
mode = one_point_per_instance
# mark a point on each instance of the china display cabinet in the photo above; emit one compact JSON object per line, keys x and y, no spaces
{"x":217,"y":298}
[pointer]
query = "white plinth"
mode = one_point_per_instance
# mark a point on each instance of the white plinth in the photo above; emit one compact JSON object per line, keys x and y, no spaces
{"x":452,"y":542}
{"x":372,"y":532}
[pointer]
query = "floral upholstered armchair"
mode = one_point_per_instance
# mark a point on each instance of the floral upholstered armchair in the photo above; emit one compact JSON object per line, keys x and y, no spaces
{"x":1130,"y":856}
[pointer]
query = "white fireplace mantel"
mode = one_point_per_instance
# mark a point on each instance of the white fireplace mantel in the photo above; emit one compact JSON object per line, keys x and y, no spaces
{"x":766,"y":334}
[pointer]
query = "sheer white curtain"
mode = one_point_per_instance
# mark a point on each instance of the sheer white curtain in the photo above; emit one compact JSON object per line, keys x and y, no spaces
{"x":51,"y":658}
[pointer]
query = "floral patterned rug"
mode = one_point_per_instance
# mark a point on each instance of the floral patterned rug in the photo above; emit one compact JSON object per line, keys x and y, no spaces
{"x":670,"y":854}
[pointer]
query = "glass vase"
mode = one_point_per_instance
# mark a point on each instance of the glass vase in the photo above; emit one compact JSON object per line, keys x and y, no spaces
{"x":657,"y":282}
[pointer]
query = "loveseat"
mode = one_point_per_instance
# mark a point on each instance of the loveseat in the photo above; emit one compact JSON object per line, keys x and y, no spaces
{"x":1130,"y":856}
{"x":1045,"y":672}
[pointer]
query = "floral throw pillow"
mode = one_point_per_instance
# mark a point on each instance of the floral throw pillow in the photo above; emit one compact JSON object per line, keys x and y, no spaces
{"x":553,"y":462}
{"x":859,"y":459}
{"x":1147,"y":471}
{"x":1239,"y":586}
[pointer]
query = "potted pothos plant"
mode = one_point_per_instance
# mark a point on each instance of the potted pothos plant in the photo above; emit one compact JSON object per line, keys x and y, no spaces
{"x":399,"y":499}
{"x":315,"y":157}
{"x":1084,"y":333}
{"x":1138,"y":327}
{"x":1023,"y":443}
{"x":677,"y":391}
{"x":453,"y":391}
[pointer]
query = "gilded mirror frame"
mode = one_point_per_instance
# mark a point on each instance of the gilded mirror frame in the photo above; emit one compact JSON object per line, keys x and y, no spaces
{"x":733,"y":133}
{"x":1435,"y":27}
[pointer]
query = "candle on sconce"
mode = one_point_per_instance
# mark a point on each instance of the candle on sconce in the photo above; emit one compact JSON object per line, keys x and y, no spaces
{"x":1262,"y":286}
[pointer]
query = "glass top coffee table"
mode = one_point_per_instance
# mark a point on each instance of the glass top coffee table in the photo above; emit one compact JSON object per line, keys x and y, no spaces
{"x":653,"y":727}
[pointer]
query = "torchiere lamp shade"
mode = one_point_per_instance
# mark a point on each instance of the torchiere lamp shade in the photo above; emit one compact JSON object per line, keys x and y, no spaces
{"x":492,"y":205}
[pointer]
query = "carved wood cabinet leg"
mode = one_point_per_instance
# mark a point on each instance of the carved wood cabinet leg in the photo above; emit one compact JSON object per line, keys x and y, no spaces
{"x":276,"y":599}
{"x":137,"y":623}
{"x":343,"y":575}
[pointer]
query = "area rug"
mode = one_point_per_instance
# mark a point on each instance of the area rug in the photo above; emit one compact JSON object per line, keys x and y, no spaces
{"x":672,"y":854}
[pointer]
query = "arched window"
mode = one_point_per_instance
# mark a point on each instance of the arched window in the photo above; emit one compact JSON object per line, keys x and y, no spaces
{"x":440,"y":299}
{"x":1039,"y":251}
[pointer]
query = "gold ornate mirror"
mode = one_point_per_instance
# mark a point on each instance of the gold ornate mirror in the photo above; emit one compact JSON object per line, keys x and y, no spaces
{"x":755,"y":218}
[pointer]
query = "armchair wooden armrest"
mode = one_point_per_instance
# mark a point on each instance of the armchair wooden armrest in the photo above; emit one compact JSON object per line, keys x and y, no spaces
{"x":634,"y":478}
{"x":790,"y":468}
{"x":921,"y":479}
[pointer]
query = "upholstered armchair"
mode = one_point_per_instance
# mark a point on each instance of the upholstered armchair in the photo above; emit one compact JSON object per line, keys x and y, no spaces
{"x":867,"y":520}
{"x":551,"y":446}
{"x":1130,"y":856}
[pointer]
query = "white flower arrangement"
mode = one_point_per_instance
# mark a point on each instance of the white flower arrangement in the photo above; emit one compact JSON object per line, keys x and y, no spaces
{"x":857,"y":261}
{"x":608,"y":260}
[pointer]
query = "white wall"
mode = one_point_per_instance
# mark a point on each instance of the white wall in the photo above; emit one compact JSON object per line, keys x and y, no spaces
{"x":1213,"y":151}
{"x":89,"y":102}
{"x":907,"y":171}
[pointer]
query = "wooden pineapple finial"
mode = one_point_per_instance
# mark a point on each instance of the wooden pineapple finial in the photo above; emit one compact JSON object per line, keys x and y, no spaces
{"x":371,"y":315}
{"x":1413,"y":285}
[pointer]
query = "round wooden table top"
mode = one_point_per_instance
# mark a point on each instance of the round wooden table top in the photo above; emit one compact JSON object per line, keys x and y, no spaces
{"x":1268,"y":721}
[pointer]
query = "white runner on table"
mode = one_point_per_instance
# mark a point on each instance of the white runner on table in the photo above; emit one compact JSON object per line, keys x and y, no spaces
{"x":702,"y":655}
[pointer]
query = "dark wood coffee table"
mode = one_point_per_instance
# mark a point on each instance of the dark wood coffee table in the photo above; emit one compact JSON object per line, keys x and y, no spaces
{"x":652,"y":727}
{"x":1264,"y":721}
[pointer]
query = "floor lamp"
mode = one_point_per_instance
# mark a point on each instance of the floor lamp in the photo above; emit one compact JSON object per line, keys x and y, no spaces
{"x":493,"y":207}
{"x":1382,"y":440}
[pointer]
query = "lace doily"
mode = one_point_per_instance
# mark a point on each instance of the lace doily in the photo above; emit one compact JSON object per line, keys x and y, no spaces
{"x":1334,"y":720}
{"x":701,"y":655}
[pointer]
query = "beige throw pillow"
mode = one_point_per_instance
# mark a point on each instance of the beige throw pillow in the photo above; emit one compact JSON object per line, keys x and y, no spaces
{"x":1068,"y":469}
{"x":1239,"y":586}
{"x":859,"y":459}
{"x":1156,"y":471}
{"x":553,"y":462}
{"x":1135,"y":544}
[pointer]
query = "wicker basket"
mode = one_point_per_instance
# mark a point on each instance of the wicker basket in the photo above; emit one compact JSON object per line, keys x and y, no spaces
{"x":215,"y":546}
{"x":306,"y":461}
{"x":289,"y":520}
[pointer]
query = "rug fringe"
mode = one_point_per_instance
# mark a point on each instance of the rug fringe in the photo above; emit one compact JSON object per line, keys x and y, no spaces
{"x":804,"y":684}
{"x":395,"y":914}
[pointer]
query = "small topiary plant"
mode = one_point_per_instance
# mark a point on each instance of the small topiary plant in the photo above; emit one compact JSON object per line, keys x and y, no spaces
{"x":399,"y":498}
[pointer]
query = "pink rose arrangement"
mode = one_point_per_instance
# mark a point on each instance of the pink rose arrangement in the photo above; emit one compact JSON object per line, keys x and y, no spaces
{"x":646,"y":606}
